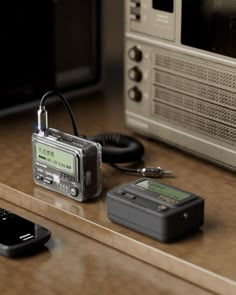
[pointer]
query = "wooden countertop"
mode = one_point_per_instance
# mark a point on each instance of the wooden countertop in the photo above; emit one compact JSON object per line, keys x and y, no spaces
{"x":71,"y":263}
{"x":206,"y":258}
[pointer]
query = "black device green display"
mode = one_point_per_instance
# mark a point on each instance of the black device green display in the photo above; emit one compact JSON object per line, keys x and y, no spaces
{"x":164,"y":190}
{"x":148,"y":206}
{"x":56,"y":158}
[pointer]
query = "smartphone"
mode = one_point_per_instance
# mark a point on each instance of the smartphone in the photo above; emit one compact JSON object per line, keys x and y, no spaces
{"x":19,"y":236}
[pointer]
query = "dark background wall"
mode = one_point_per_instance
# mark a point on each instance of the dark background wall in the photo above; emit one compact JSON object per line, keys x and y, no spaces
{"x":27,"y":74}
{"x":114,"y":28}
{"x":113,"y":39}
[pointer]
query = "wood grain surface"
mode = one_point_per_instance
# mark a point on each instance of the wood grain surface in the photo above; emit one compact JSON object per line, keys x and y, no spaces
{"x":71,"y":263}
{"x":206,"y":258}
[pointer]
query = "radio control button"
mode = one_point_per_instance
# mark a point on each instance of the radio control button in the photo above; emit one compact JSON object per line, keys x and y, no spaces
{"x":74,"y":191}
{"x":38,"y":177}
{"x":135,"y":74}
{"x":135,"y":9}
{"x":47,"y":181}
{"x":135,"y":54}
{"x":135,"y":94}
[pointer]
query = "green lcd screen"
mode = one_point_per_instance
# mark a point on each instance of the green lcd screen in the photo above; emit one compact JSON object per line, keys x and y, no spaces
{"x":56,"y":158}
{"x":164,"y":190}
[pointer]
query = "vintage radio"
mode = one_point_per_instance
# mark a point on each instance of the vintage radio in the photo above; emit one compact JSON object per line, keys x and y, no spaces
{"x":180,"y":74}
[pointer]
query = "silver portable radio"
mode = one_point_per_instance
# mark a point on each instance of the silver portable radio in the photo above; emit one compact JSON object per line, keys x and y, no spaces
{"x":67,"y":164}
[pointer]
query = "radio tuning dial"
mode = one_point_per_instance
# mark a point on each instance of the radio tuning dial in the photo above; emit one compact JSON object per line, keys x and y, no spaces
{"x":135,"y":94}
{"x":135,"y":54}
{"x":135,"y":74}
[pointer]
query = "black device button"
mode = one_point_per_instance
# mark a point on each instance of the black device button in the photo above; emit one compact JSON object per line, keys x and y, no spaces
{"x":130,"y":196}
{"x":119,"y":192}
{"x":162,"y":208}
{"x":74,"y":191}
{"x":167,"y":199}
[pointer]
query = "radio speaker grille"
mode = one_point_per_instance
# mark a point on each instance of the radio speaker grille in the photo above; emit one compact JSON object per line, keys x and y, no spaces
{"x":194,"y":96}
{"x":195,"y":89}
{"x":198,"y":107}
{"x":195,"y":123}
{"x":192,"y":69}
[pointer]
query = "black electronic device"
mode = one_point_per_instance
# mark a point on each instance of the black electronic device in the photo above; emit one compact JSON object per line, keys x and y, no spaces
{"x":156,"y":209}
{"x":19,"y":236}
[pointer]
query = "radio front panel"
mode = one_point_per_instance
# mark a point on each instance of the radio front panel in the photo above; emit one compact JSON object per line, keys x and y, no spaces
{"x":182,"y":95}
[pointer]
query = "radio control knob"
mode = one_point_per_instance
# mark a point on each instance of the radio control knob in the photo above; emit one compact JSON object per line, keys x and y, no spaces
{"x":74,"y":191}
{"x":135,"y":54}
{"x":135,"y":74}
{"x":135,"y":94}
